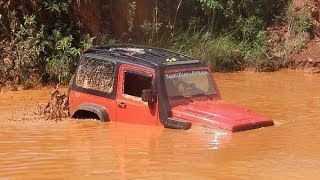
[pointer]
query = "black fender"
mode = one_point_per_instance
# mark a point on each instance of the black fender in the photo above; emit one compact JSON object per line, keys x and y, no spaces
{"x":100,"y":111}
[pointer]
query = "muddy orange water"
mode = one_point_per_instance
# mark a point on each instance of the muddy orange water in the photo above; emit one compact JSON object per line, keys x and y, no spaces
{"x":38,"y":149}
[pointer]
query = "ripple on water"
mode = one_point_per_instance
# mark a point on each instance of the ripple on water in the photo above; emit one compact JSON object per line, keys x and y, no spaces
{"x":88,"y":149}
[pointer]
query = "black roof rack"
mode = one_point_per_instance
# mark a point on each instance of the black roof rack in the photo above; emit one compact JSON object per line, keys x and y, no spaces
{"x":145,"y":54}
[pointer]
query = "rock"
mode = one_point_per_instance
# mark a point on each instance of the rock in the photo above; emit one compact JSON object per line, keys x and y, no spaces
{"x":8,"y":61}
{"x":19,"y":88}
{"x":315,"y":71}
{"x":312,"y":70}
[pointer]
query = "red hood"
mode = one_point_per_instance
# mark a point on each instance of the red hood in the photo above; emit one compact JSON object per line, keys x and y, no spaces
{"x":220,"y":114}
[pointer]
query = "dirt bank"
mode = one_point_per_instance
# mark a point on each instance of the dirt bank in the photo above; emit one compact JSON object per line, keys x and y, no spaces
{"x":297,"y":37}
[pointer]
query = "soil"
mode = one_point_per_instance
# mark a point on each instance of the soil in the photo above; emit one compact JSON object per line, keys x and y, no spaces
{"x":282,"y":41}
{"x":309,"y":59}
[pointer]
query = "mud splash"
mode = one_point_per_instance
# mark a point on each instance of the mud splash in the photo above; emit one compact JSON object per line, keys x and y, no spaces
{"x":30,"y":108}
{"x":57,"y":107}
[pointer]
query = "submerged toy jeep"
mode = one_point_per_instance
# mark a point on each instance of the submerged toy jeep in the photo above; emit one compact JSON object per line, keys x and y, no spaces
{"x":152,"y":86}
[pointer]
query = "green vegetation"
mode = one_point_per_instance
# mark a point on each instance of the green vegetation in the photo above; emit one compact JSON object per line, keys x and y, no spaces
{"x":41,"y":41}
{"x":226,"y":53}
{"x":222,"y":53}
{"x":35,"y":51}
{"x":299,"y":21}
{"x":299,"y":28}
{"x":234,"y":38}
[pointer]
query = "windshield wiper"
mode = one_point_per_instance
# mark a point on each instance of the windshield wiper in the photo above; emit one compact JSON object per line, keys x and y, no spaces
{"x":207,"y":95}
{"x":181,"y":97}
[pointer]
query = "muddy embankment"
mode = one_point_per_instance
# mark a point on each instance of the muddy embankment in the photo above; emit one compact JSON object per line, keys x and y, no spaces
{"x":309,"y":58}
{"x":297,"y":37}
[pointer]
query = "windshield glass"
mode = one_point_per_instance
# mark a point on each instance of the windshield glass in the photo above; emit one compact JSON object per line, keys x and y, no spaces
{"x":189,"y":83}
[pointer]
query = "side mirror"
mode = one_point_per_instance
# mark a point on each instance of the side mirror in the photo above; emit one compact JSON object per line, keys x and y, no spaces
{"x":146,"y":95}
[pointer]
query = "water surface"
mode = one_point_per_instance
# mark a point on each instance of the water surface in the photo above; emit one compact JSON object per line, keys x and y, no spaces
{"x":39,"y":149}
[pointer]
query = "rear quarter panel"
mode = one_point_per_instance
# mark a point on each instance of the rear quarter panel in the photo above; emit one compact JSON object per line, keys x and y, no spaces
{"x":77,"y":98}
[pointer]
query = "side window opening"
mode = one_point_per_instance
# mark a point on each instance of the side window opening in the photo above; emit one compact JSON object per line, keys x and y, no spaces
{"x":135,"y":83}
{"x":96,"y":75}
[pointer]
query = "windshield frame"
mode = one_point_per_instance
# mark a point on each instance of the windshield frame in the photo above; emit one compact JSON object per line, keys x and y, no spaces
{"x":216,"y":95}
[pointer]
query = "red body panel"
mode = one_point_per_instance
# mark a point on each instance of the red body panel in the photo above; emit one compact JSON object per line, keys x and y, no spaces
{"x":133,"y":109}
{"x":77,"y":98}
{"x":218,"y":114}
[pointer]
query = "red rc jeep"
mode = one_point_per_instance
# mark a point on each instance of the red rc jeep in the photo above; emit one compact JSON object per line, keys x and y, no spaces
{"x":152,"y":86}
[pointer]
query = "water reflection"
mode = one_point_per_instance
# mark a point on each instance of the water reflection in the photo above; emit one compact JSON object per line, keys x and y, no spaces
{"x":219,"y":138}
{"x":216,"y":138}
